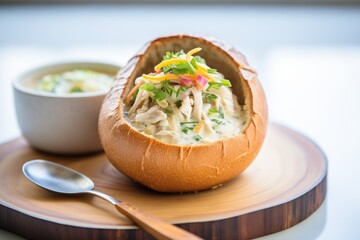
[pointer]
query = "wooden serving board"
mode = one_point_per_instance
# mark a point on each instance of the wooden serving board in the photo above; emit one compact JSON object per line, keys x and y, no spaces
{"x":284,"y":185}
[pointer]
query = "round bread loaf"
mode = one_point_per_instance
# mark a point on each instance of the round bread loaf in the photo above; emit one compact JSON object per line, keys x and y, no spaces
{"x":177,"y":168}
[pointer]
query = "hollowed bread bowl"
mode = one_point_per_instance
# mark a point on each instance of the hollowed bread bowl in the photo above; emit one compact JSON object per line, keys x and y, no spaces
{"x":177,"y":168}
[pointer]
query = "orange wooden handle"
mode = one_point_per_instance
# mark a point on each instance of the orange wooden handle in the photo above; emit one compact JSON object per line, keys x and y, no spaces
{"x":156,"y":227}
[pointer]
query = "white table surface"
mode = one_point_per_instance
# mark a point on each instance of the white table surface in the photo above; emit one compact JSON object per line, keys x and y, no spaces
{"x":308,"y":60}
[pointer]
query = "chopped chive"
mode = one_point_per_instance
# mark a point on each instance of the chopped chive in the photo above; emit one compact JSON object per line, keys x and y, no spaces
{"x":209,"y":97}
{"x":200,"y":59}
{"x":178,"y":103}
{"x":185,"y":130}
{"x":191,"y":68}
{"x":197,"y":138}
{"x":215,"y":85}
{"x":217,"y":121}
{"x":76,"y":90}
{"x":221,"y":113}
{"x":181,"y":89}
{"x":211,"y":111}
{"x":168,"y":111}
{"x":211,"y":70}
{"x":226,"y":83}
{"x":193,"y":122}
{"x":171,"y":55}
{"x":193,"y":63}
{"x":167,"y":88}
{"x":148,"y":87}
{"x":158,"y":95}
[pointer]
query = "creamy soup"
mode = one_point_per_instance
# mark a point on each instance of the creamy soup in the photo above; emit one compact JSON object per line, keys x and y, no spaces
{"x":184,"y":102}
{"x":74,"y":81}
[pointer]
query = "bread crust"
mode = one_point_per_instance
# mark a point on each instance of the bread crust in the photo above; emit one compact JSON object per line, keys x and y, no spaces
{"x":176,"y":168}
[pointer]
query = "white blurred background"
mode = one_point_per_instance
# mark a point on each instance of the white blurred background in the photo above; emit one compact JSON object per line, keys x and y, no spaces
{"x":307,"y":56}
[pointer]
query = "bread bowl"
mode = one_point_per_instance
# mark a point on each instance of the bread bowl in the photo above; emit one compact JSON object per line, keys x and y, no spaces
{"x":168,"y":166}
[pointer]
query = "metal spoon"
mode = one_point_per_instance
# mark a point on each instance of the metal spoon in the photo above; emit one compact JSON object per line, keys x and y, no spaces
{"x":61,"y":179}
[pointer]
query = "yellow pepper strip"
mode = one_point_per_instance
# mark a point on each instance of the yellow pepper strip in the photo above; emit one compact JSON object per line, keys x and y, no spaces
{"x":175,"y":61}
{"x":198,"y":127}
{"x":202,"y":67}
{"x":202,"y":70}
{"x":168,"y":62}
{"x":160,"y":78}
{"x":191,"y":52}
{"x":204,"y":73}
{"x":192,"y":77}
{"x":167,"y":77}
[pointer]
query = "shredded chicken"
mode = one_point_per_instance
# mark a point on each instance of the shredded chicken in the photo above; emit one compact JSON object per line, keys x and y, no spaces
{"x":207,"y":125}
{"x":186,"y":107}
{"x":144,"y":107}
{"x":153,"y":115}
{"x":226,"y":97}
{"x":175,"y":119}
{"x":198,"y":104}
{"x":141,"y":97}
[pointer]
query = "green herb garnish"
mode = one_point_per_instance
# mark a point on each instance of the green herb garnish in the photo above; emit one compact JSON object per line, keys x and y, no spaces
{"x":217,"y":85}
{"x":179,"y":68}
{"x":193,"y":63}
{"x":76,"y":90}
{"x":168,"y":111}
{"x":226,"y":83}
{"x":182,"y":68}
{"x":185,"y":123}
{"x":211,"y":70}
{"x":209,"y":97}
{"x":211,"y":111}
{"x":217,"y":121}
{"x":50,"y":82}
{"x":158,"y":95}
{"x":171,"y":55}
{"x":167,"y":88}
{"x":200,"y":59}
{"x":188,"y":126}
{"x":197,"y":138}
{"x":181,"y":89}
{"x":178,"y":103}
{"x":221,"y":113}
{"x":148,"y":87}
{"x":185,"y":129}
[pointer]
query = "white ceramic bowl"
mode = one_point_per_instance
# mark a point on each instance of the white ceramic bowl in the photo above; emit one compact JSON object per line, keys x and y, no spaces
{"x":60,"y":123}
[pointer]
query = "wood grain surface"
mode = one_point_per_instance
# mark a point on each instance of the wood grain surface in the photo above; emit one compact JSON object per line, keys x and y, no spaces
{"x":284,"y":185}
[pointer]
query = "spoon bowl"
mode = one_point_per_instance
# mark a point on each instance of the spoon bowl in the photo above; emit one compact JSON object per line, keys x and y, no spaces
{"x":58,"y":178}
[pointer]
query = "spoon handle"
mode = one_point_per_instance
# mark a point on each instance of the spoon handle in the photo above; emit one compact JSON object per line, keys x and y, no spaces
{"x":156,"y":227}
